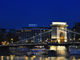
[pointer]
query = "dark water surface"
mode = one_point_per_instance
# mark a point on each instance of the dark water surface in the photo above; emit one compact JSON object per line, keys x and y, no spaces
{"x":12,"y":57}
{"x":55,"y":53}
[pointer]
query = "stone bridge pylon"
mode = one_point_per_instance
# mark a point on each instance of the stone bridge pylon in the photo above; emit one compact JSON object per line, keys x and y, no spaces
{"x":58,"y":33}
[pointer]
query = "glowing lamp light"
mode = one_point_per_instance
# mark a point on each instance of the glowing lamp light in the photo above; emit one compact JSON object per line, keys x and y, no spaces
{"x":12,"y":39}
{"x":26,"y":58}
{"x":59,"y":23}
{"x":53,"y":48}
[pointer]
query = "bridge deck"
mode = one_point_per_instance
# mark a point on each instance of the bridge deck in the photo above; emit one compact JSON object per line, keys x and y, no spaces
{"x":55,"y":44}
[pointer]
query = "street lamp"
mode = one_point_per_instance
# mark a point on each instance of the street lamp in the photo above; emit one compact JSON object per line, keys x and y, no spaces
{"x":12,"y":40}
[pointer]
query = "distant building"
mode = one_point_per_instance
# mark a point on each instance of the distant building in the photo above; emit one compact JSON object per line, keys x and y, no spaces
{"x":8,"y":36}
{"x":35,"y":34}
{"x":76,"y":29}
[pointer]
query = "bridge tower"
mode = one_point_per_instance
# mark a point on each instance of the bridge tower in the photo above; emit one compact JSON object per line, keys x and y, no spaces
{"x":59,"y":33}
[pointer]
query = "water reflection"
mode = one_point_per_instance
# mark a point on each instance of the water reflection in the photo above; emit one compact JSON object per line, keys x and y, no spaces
{"x":62,"y":54}
{"x":1,"y":57}
{"x":7,"y":57}
{"x":26,"y":58}
{"x":12,"y":57}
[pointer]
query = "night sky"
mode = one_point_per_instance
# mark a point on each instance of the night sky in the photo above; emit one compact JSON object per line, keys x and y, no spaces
{"x":20,"y":13}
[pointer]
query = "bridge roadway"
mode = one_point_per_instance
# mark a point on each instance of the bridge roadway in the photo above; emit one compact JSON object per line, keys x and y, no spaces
{"x":45,"y":44}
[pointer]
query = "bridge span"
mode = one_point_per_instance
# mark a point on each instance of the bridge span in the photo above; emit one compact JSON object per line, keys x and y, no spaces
{"x":44,"y":44}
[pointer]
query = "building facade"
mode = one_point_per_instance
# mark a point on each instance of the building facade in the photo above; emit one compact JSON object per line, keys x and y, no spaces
{"x":76,"y":29}
{"x":35,"y":34}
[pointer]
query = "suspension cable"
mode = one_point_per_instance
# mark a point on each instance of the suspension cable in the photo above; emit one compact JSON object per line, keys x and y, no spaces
{"x":36,"y":35}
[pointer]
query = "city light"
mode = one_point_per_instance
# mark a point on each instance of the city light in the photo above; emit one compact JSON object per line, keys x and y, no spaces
{"x":39,"y":29}
{"x":58,"y":23}
{"x":35,"y":42}
{"x":53,"y":48}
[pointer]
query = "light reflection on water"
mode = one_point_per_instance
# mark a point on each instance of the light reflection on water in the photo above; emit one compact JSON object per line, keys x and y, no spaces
{"x":62,"y":54}
{"x":12,"y":57}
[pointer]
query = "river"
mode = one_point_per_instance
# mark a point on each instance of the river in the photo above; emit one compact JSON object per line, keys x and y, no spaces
{"x":62,"y":54}
{"x":13,"y":57}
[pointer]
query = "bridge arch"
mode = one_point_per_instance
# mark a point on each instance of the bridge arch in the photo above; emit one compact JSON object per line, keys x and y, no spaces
{"x":58,"y":31}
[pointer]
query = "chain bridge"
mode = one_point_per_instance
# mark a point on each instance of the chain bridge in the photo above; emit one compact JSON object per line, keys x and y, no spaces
{"x":58,"y":35}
